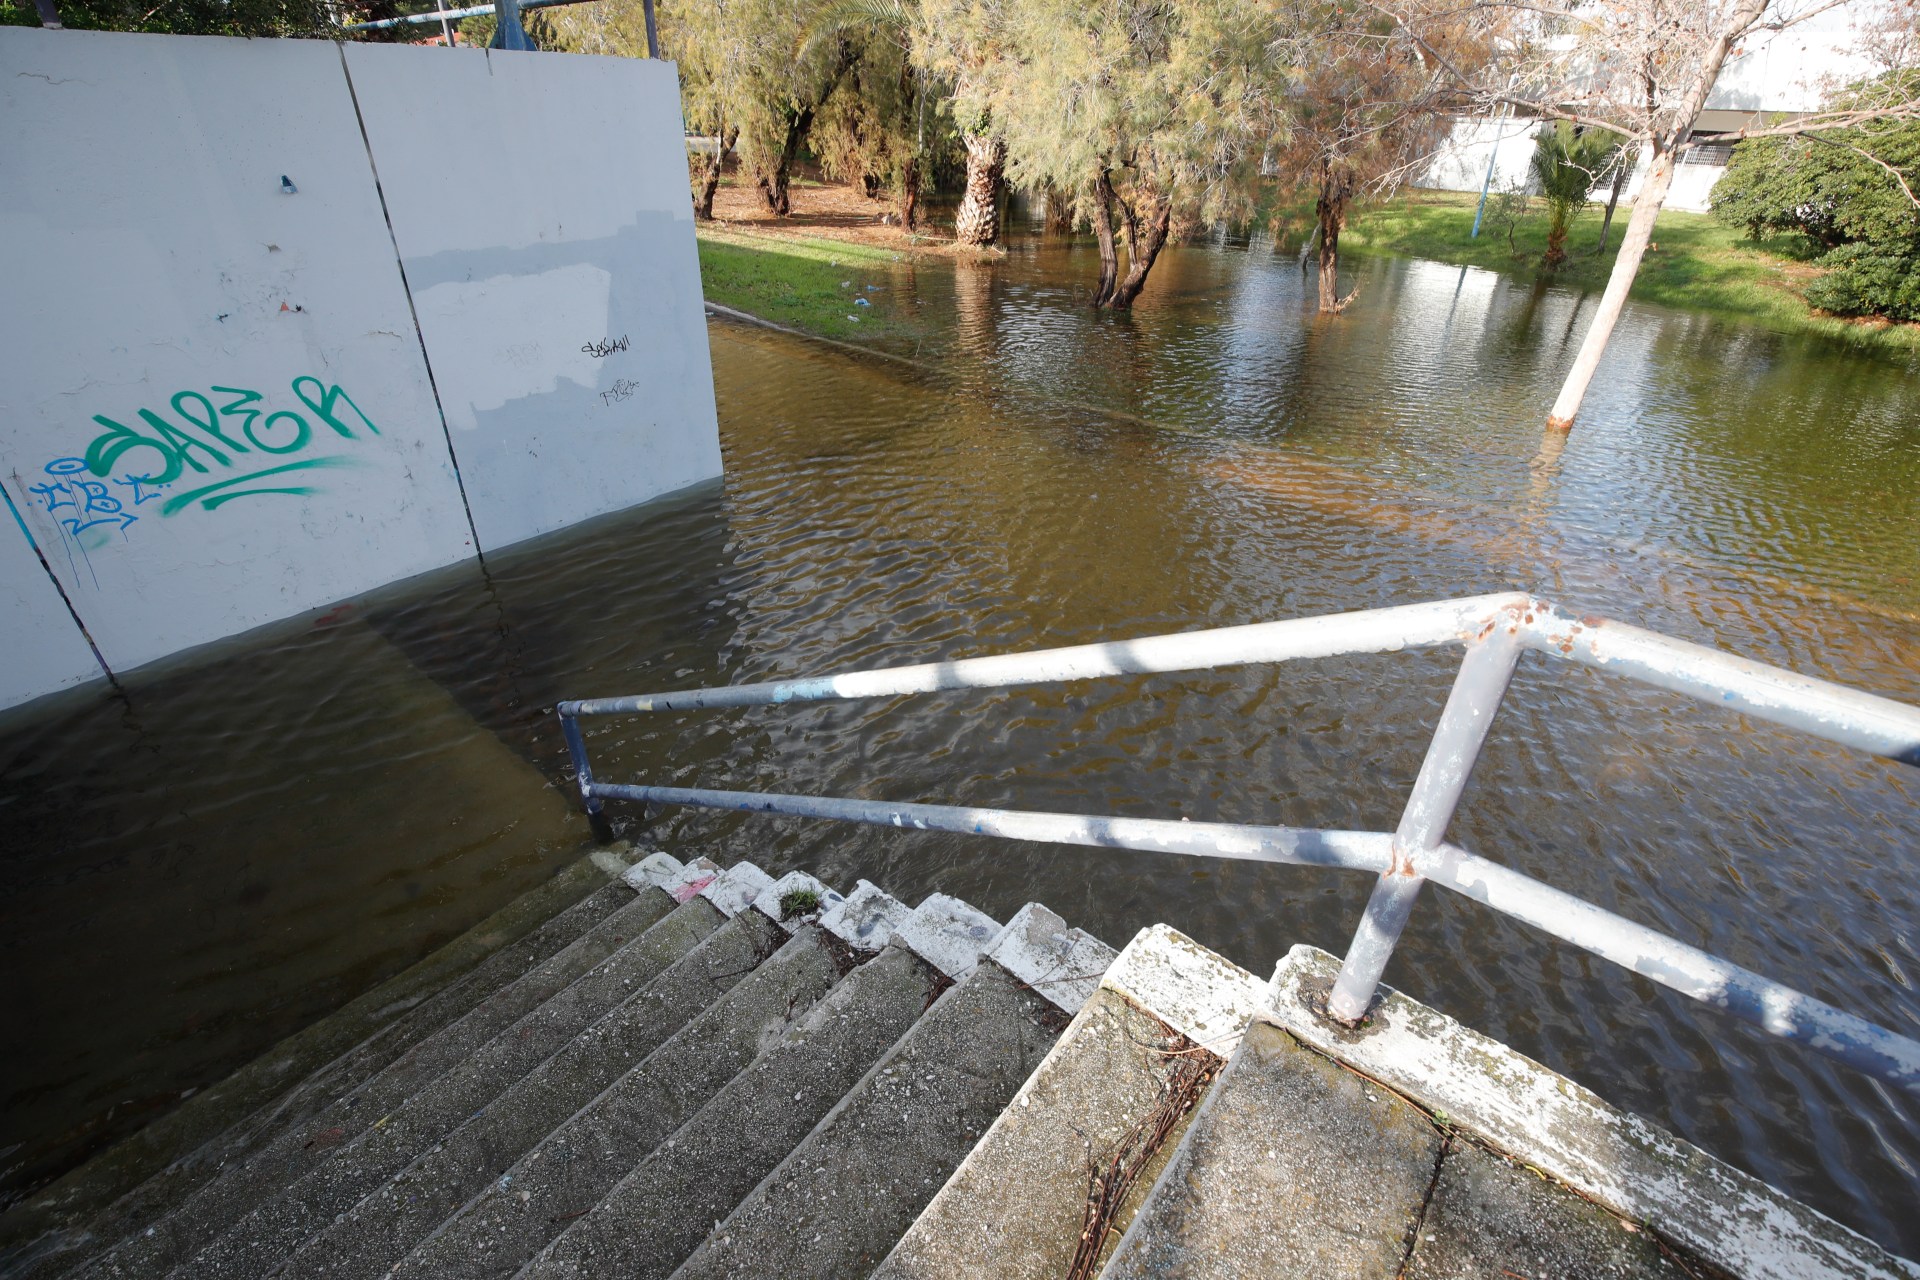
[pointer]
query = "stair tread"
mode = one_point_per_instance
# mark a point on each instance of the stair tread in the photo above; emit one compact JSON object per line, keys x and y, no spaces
{"x":837,"y":1204}
{"x":403,"y":1208}
{"x":1016,"y":1207}
{"x":1489,"y":1215}
{"x":658,"y":1213}
{"x":266,"y":1096}
{"x":243,"y":1184}
{"x":573,"y":1168}
{"x":1292,"y":1166}
{"x":276,"y":1227}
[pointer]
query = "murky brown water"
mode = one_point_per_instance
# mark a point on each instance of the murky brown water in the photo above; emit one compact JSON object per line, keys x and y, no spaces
{"x":251,"y":838}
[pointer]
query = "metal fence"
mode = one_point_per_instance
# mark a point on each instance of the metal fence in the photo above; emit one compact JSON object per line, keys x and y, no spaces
{"x":1494,"y":630}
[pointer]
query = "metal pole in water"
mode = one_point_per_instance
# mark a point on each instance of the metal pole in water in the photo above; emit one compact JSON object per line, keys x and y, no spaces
{"x":583,"y":773}
{"x":1484,"y":675}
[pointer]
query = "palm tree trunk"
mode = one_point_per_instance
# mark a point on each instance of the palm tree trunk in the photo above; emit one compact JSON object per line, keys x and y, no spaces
{"x":978,"y":222}
{"x":910,"y":194}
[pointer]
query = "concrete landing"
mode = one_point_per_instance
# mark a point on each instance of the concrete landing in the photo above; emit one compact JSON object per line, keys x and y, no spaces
{"x":1295,"y":1166}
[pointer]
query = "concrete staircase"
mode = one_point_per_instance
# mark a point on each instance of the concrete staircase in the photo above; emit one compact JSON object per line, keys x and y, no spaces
{"x":696,"y":1073}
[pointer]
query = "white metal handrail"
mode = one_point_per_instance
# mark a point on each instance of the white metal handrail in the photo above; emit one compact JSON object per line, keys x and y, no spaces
{"x":1494,"y":630}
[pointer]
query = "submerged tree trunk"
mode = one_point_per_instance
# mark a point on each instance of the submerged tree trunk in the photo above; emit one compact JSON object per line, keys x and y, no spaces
{"x":1101,"y":215}
{"x":978,"y":222}
{"x":774,"y":186}
{"x":1146,"y":236}
{"x":1646,"y":211}
{"x":1330,"y":210}
{"x":1633,"y":248}
{"x":1059,"y":216}
{"x":724,"y":139}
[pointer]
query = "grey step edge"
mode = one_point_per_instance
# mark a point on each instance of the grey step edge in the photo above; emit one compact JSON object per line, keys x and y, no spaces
{"x":511,"y":1219}
{"x":1293,"y":1165}
{"x":278,"y":1227}
{"x":242,"y":1185}
{"x":717,"y":975}
{"x":143,"y":1177}
{"x":1017,"y":1205}
{"x":649,"y":1222}
{"x":846,"y":1193}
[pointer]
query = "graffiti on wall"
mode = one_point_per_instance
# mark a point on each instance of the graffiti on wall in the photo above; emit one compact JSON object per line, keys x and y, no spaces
{"x":216,"y":448}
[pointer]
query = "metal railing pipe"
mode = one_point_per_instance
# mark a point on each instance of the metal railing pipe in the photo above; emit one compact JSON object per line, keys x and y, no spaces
{"x":1366,"y":631}
{"x":1471,"y":706}
{"x":1773,"y":1006}
{"x":1303,"y":846}
{"x":1820,"y":707}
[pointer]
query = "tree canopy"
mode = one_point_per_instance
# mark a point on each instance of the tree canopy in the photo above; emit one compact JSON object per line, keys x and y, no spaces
{"x":1849,"y":191}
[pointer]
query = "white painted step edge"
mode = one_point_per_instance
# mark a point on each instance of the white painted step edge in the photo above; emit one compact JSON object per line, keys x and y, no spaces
{"x":866,"y":918}
{"x":656,"y":870}
{"x":948,"y":934}
{"x":734,"y":890}
{"x":1199,"y":993}
{"x":1064,"y":965}
{"x":1634,"y":1167}
{"x":768,"y":903}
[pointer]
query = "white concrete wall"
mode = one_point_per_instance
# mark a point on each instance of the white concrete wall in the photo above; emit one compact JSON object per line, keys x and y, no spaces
{"x":551,"y":226}
{"x":215,"y":406}
{"x":163,"y":276}
{"x":52,"y":653}
{"x":1461,"y":163}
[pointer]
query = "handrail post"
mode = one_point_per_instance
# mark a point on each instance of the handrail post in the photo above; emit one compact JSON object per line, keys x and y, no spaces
{"x":583,"y":772}
{"x":1477,"y":690}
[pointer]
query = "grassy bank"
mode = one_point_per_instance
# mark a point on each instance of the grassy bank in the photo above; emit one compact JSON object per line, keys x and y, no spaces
{"x":1696,"y":264}
{"x":829,"y":287}
{"x":818,"y":284}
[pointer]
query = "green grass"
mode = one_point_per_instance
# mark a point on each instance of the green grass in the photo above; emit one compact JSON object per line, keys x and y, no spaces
{"x":1696,"y":264}
{"x":805,"y":283}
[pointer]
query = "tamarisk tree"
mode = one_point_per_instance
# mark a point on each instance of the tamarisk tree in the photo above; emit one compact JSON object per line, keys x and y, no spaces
{"x":1151,"y":110}
{"x":1368,"y":105}
{"x":1643,"y":70}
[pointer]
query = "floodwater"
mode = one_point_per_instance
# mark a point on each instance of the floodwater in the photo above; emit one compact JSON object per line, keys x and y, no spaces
{"x":250,"y":837}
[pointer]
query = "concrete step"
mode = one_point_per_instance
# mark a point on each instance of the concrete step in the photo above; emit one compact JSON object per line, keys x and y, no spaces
{"x":242,"y":1185}
{"x":515,"y":1217}
{"x":722,"y":979}
{"x":1490,"y":1216}
{"x":1293,"y":1166}
{"x":1077,"y":1149}
{"x":122,"y":1190}
{"x":1484,"y":1094}
{"x":660,"y":1211}
{"x":841,"y":1200}
{"x":610,"y":1017}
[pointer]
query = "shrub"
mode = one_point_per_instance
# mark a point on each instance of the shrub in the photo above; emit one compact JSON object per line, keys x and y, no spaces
{"x":1870,"y":280}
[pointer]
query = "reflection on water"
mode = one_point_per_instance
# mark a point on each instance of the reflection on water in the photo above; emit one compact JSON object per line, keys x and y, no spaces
{"x":250,"y":839}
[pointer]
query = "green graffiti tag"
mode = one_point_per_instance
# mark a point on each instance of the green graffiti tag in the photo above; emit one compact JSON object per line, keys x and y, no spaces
{"x":231,"y":430}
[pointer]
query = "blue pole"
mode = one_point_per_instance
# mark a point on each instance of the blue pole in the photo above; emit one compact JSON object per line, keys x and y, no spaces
{"x":1485,"y":183}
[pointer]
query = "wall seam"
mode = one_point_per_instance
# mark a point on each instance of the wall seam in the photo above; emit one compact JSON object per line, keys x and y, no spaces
{"x":406,"y":287}
{"x":65,"y":599}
